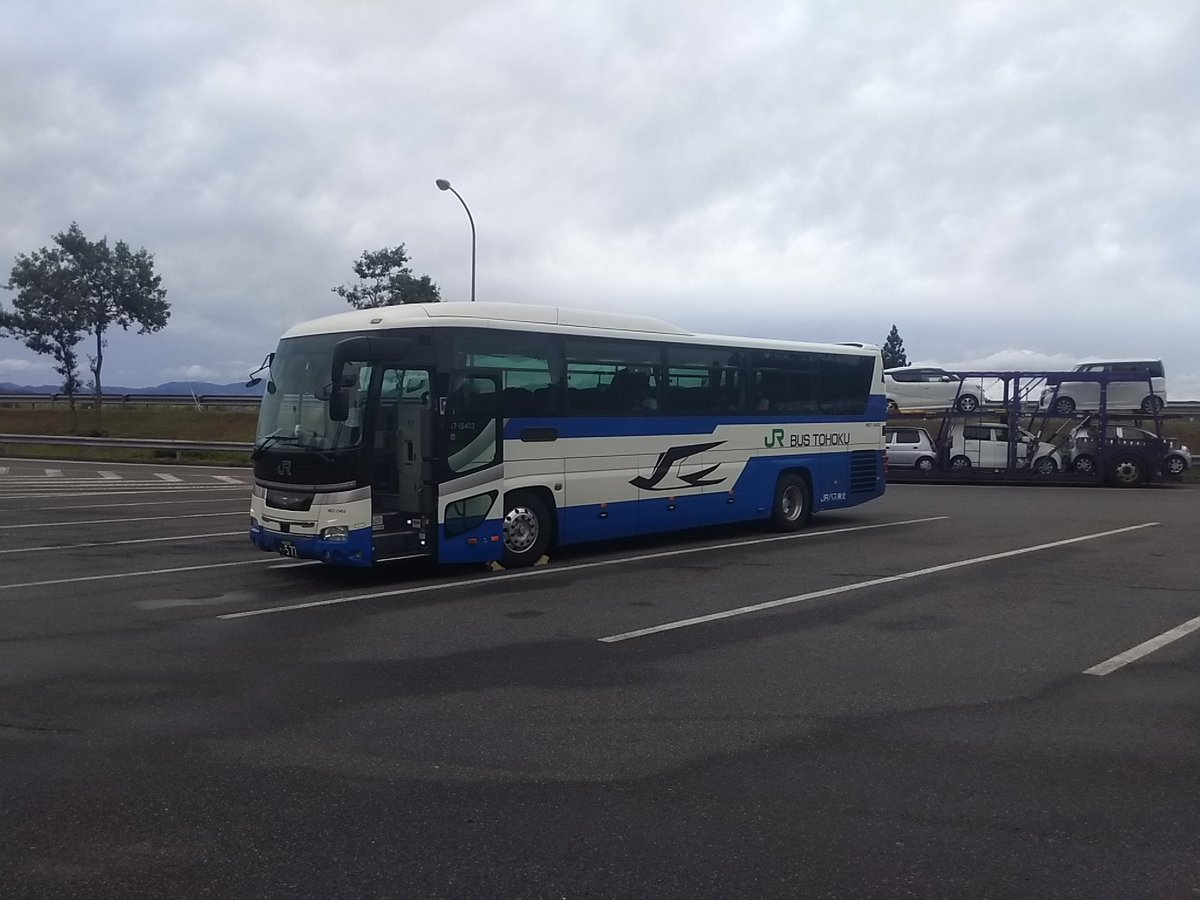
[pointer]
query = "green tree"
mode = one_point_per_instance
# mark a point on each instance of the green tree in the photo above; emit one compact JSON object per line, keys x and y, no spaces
{"x":893,"y":350}
{"x":82,"y":287}
{"x":46,"y":316}
{"x":387,"y":280}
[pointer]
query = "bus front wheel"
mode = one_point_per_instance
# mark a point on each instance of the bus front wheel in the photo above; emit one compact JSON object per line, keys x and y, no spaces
{"x":793,"y":503}
{"x":527,"y":528}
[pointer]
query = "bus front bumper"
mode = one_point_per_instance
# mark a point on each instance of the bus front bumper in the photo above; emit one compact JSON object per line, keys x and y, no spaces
{"x":355,"y":550}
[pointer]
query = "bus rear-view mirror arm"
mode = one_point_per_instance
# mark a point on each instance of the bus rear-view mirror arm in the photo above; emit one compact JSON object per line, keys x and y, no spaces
{"x":254,"y":380}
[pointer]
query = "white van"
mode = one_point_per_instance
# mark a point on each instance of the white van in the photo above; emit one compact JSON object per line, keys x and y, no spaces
{"x":926,"y":387}
{"x":1147,"y":392}
{"x":985,"y":445}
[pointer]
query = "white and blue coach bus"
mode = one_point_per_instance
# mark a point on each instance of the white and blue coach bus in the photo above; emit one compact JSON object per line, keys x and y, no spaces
{"x":479,"y":432}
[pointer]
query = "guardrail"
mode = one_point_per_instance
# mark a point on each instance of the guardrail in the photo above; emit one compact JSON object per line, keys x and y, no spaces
{"x":65,"y":440}
{"x":1186,"y":409}
{"x":86,"y":400}
{"x":1189,"y":408}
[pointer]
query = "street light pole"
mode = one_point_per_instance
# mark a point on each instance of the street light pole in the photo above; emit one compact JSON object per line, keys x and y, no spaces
{"x":444,"y":185}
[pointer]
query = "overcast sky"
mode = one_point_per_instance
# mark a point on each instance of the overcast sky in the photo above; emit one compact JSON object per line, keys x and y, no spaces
{"x":1013,"y":184}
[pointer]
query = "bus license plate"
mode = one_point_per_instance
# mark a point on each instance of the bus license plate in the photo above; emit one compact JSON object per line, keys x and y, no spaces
{"x":287,"y":548}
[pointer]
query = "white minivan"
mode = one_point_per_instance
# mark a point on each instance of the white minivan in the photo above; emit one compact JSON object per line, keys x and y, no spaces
{"x":926,"y":387}
{"x":1147,"y":391}
{"x":985,"y":445}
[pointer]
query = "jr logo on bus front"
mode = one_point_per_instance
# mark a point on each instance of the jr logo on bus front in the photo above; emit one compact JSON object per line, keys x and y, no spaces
{"x":781,"y":438}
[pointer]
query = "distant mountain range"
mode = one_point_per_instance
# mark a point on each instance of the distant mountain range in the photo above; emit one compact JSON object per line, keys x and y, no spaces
{"x":199,"y":388}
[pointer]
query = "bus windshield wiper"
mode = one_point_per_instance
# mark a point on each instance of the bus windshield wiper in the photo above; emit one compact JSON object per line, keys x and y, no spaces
{"x":272,"y":439}
{"x":269,"y":441}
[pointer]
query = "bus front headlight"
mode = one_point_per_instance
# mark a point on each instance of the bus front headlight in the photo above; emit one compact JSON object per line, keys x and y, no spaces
{"x":336,"y":533}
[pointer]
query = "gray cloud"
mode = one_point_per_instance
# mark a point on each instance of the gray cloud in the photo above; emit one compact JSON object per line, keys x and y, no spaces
{"x":992,"y":177}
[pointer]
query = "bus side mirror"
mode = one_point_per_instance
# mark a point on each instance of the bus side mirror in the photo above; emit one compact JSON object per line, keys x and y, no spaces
{"x":254,"y":379}
{"x":356,"y":348}
{"x":339,"y":403}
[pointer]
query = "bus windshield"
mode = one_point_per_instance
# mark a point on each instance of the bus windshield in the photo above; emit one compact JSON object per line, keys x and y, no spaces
{"x":295,"y":407}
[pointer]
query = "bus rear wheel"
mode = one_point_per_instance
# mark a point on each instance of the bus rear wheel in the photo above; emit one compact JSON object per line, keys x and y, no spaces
{"x":527,"y":529}
{"x":793,"y":503}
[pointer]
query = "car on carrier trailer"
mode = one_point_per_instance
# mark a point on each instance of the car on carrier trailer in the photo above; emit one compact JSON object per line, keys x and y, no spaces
{"x":1081,"y":453}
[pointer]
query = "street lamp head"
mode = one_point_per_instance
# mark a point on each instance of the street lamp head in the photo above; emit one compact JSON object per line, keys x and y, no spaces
{"x":444,"y":185}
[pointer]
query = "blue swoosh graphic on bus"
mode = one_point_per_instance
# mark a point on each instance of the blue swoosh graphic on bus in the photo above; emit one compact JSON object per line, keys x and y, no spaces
{"x":670,"y":457}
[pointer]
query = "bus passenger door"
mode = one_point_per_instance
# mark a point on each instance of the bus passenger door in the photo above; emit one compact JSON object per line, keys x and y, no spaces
{"x":471,"y":493}
{"x":402,"y":477}
{"x":412,"y":452}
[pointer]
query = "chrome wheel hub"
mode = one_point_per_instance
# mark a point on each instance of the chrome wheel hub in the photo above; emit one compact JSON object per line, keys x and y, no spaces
{"x":520,"y":529}
{"x":793,"y":503}
{"x":1126,"y":472}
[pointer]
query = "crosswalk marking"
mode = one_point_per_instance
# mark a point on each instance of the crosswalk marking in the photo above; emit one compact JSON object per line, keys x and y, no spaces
{"x":164,"y":490}
{"x":60,"y":483}
{"x":18,"y":482}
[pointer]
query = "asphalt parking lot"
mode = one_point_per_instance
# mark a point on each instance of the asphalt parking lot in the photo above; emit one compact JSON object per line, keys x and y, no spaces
{"x":954,"y":691}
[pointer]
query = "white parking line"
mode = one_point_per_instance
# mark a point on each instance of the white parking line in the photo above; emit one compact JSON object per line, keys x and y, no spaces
{"x":1144,"y":649}
{"x":142,"y":573}
{"x":859,"y":585}
{"x":166,"y":477}
{"x":132,"y":466}
{"x":40,"y":481}
{"x":110,"y":476}
{"x":54,"y":473}
{"x":234,"y":512}
{"x":95,"y":485}
{"x":123,"y":505}
{"x":158,"y":489}
{"x":160,"y":540}
{"x":228,"y":479}
{"x":548,"y":570}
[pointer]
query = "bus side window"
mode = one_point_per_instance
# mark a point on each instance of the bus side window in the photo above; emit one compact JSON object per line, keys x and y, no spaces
{"x":517,"y":401}
{"x":547,"y":401}
{"x":611,"y":377}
